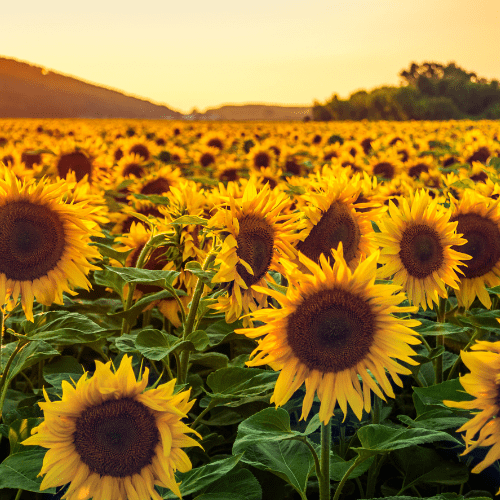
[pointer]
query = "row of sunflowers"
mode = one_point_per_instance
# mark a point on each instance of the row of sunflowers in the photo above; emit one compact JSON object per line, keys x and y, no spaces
{"x":249,"y":310}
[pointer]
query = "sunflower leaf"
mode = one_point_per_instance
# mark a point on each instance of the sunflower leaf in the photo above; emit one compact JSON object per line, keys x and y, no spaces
{"x":434,"y":395}
{"x":186,"y":220}
{"x":376,"y":439}
{"x":63,"y":368}
{"x":145,"y":276}
{"x":197,"y":479}
{"x":132,"y":314}
{"x":239,"y":484}
{"x":236,"y":385}
{"x":64,"y":328}
{"x":20,"y":470}
{"x":205,"y":276}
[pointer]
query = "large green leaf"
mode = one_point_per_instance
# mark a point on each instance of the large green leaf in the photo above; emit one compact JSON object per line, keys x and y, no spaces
{"x":434,"y":419}
{"x":30,"y":354}
{"x":238,"y":484}
{"x":20,"y":470}
{"x":292,"y":461}
{"x":377,"y":439}
{"x":145,"y":276}
{"x":155,"y":344}
{"x":428,"y":327}
{"x":63,"y":368}
{"x":200,"y":478}
{"x":449,"y":390}
{"x":425,"y":465}
{"x":64,"y":328}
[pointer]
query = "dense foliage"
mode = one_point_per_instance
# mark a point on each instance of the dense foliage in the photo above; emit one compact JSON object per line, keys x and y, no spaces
{"x":429,"y":91}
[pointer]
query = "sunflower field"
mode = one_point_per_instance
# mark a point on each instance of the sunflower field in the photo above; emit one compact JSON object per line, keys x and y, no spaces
{"x":247,"y":311}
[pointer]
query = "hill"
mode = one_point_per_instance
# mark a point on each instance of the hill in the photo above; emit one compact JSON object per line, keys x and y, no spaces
{"x":29,"y":91}
{"x":256,"y":112}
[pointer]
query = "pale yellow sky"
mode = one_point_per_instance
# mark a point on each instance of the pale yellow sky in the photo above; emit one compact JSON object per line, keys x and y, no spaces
{"x":203,"y":54}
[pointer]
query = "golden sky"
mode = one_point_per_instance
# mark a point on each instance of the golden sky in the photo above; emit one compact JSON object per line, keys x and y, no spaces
{"x":204,"y":53}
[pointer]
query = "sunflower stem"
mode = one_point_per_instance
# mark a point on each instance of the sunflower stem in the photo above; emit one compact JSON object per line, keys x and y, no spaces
{"x":131,"y":287}
{"x":190,"y":320}
{"x":466,"y":348}
{"x":438,"y":365}
{"x":3,"y":382}
{"x":344,"y":479}
{"x":18,"y":494}
{"x":324,"y":477}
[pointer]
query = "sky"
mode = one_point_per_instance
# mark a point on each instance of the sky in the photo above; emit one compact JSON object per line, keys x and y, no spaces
{"x":205,"y":53}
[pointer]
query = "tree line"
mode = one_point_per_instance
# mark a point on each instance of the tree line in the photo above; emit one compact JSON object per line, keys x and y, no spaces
{"x":429,"y":91}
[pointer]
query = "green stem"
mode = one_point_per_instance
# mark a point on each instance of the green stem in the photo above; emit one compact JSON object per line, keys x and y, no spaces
{"x":457,"y":361}
{"x":438,"y":365}
{"x":18,"y":494}
{"x":203,"y":413}
{"x":3,"y":383}
{"x":326,"y":444}
{"x":146,"y":318}
{"x":338,"y":491}
{"x":188,"y":326}
{"x":131,"y":286}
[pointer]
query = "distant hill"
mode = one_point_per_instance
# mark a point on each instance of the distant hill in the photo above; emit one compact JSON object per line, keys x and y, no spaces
{"x":28,"y":91}
{"x":255,"y":112}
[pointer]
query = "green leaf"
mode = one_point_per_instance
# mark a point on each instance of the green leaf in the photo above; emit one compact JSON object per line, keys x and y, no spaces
{"x":19,"y":430}
{"x":64,"y":328}
{"x":110,"y":279}
{"x":428,"y":327}
{"x":132,"y":314}
{"x":145,"y":276}
{"x":239,"y":484}
{"x":29,"y":355}
{"x":221,"y":331}
{"x":112,"y":253}
{"x":435,"y":419}
{"x":20,"y":470}
{"x":376,"y":439}
{"x":63,"y":368}
{"x":200,"y":339}
{"x":292,"y":461}
{"x":267,"y":425}
{"x":186,"y":220}
{"x":338,"y":467}
{"x":215,"y":360}
{"x":197,"y":479}
{"x":126,"y":342}
{"x":235,"y":385}
{"x":155,"y":344}
{"x":481,"y":318}
{"x":450,"y":390}
{"x":425,"y":465}
{"x":205,"y":276}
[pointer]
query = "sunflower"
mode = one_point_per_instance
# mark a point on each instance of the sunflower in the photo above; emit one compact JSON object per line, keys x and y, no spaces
{"x":109,"y":438}
{"x":44,"y":242}
{"x":478,"y":220}
{"x":333,"y":327}
{"x":256,"y":234}
{"x":483,"y":382}
{"x":333,"y":218}
{"x":417,"y":249}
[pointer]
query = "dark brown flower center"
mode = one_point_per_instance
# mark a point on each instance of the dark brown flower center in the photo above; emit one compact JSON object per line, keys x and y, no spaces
{"x":261,"y":160}
{"x":141,"y":150}
{"x":331,"y":330}
{"x":30,"y":159}
{"x":159,"y":185}
{"x":207,"y":159}
{"x":116,"y":438}
{"x":421,"y":251}
{"x":336,"y":225}
{"x":483,"y":243}
{"x":384,"y":169}
{"x":215,"y":143}
{"x":77,"y":162}
{"x":133,"y":169}
{"x":255,"y":246}
{"x":32,"y":240}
